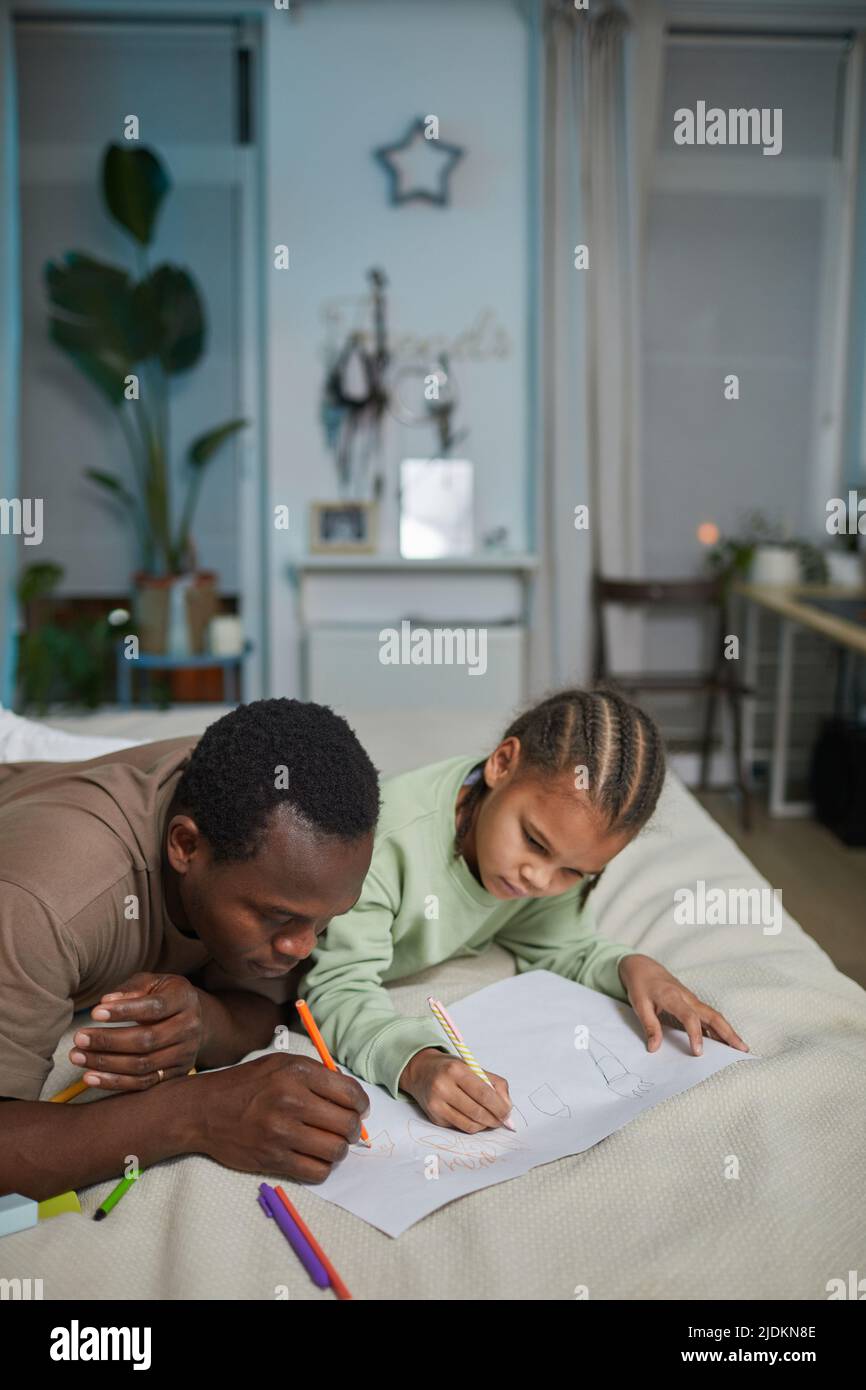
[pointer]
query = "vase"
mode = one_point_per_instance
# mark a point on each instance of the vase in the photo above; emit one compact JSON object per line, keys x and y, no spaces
{"x":774,"y":564}
{"x":172,"y":612}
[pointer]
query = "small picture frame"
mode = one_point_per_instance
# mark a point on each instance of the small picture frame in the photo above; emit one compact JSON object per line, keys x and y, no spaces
{"x":343,"y":528}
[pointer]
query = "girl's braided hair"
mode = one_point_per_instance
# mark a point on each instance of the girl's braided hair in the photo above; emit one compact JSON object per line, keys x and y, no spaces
{"x":617,"y":743}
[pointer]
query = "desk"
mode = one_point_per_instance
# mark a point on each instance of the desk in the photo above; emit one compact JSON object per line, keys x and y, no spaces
{"x":789,"y":603}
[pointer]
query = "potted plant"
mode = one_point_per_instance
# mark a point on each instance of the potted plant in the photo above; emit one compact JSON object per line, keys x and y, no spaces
{"x":130,"y":334}
{"x":763,"y":554}
{"x":69,"y":661}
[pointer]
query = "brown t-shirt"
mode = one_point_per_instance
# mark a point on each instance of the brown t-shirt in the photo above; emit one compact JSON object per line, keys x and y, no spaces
{"x":81,"y":900}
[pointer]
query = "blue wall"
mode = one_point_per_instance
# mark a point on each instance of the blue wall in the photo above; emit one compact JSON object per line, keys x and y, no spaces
{"x":346,"y":78}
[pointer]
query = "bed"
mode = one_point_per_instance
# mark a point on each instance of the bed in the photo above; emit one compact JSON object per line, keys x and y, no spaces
{"x":651,"y":1212}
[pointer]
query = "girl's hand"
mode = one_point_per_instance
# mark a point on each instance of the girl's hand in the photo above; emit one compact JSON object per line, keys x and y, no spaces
{"x":168,"y":1033}
{"x":652,"y":990}
{"x":450,"y":1094}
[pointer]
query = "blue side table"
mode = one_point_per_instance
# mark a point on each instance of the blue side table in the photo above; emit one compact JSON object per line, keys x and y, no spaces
{"x":151,"y":661}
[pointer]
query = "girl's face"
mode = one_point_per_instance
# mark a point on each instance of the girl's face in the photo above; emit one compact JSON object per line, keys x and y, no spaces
{"x":534,"y":835}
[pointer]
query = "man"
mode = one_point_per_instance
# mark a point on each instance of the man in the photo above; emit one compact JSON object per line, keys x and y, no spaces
{"x":175,"y":886}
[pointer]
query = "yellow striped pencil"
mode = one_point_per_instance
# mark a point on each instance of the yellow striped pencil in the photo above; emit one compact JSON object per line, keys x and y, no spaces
{"x":455,"y":1037}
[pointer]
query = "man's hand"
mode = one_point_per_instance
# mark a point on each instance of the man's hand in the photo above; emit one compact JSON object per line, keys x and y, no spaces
{"x":284,"y":1114}
{"x":652,"y":990}
{"x":168,"y":1031}
{"x":450,"y":1094}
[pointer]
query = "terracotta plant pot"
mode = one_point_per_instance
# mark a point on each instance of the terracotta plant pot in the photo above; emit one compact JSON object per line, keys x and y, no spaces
{"x":199,"y":687}
{"x":153,"y":596}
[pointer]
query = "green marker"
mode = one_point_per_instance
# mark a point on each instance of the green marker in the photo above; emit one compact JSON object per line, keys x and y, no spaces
{"x":114,"y":1197}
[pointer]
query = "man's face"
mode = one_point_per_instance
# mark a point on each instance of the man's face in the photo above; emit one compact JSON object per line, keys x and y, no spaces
{"x":260,"y":917}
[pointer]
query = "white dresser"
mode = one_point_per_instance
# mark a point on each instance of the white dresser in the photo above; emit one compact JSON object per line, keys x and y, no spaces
{"x":357,"y":611}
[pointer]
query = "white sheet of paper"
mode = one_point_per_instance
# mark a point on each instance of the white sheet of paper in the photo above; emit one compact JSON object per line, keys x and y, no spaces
{"x":577,"y":1070}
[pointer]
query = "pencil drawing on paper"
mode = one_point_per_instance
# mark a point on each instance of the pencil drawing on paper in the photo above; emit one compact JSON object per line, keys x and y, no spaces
{"x":545,"y":1099}
{"x":381,"y":1146}
{"x":456,"y":1150}
{"x":528,"y":1027}
{"x":617,"y":1076}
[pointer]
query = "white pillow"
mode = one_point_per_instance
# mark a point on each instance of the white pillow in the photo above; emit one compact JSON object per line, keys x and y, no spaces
{"x":25,"y":740}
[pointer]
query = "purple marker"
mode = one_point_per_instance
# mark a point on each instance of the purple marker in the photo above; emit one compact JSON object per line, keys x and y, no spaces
{"x":272,"y":1206}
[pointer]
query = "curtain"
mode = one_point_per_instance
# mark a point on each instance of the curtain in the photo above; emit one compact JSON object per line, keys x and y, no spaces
{"x":601,"y":100}
{"x":10,"y":320}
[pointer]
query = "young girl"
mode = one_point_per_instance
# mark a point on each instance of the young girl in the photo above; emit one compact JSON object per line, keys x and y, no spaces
{"x":505,"y":849}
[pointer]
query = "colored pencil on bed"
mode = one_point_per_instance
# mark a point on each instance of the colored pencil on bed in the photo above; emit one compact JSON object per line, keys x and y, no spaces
{"x":336,"y":1282}
{"x":123,"y":1186}
{"x":114,"y":1197}
{"x":455,"y":1037}
{"x":272,"y":1206}
{"x":321,"y":1046}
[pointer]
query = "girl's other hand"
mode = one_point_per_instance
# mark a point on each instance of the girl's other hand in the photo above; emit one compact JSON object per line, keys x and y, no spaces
{"x":450,"y":1094}
{"x":652,"y":990}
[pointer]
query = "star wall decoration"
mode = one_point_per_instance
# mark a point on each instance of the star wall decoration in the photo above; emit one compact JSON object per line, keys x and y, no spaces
{"x":414,"y":162}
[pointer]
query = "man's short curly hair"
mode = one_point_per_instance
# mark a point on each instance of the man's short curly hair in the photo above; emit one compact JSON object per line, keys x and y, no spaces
{"x":274,"y":753}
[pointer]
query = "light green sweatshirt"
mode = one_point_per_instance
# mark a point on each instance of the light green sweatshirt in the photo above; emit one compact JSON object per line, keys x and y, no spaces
{"x":420,"y":905}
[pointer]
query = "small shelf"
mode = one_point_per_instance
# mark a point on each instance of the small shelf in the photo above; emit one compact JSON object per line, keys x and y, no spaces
{"x":502,"y":560}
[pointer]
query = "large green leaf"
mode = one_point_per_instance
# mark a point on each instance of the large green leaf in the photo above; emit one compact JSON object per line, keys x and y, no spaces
{"x":81,"y":282}
{"x":98,"y":312}
{"x":107,"y":373}
{"x":169,"y":298}
{"x":134,"y":183}
{"x":202,"y":449}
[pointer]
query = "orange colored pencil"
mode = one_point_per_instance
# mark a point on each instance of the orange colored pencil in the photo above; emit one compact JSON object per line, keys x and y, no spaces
{"x":321,"y":1046}
{"x":336,"y":1282}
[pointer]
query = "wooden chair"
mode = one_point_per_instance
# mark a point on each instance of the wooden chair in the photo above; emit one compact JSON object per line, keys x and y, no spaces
{"x":720,"y":680}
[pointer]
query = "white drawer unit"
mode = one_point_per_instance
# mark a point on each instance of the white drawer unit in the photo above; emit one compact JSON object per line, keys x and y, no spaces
{"x":380,"y":631}
{"x":468,"y":668}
